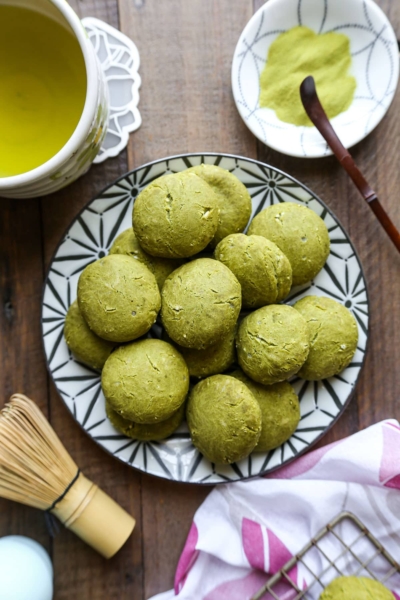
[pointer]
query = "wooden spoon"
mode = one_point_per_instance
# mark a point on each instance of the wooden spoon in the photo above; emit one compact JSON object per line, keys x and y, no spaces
{"x":315,"y":111}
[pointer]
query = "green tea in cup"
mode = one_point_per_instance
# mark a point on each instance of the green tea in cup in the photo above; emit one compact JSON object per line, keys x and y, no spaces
{"x":43,"y":87}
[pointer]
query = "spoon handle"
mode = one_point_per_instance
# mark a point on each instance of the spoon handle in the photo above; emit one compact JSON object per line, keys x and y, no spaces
{"x":317,"y":115}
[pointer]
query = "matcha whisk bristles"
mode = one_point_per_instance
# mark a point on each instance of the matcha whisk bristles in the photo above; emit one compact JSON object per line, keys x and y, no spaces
{"x":35,"y":468}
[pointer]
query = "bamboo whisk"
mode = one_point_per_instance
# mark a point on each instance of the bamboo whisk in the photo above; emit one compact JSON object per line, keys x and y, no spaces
{"x":36,"y":469}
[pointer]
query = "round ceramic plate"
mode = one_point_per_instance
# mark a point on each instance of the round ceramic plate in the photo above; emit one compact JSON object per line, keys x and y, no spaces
{"x":375,"y":66}
{"x":90,"y":236}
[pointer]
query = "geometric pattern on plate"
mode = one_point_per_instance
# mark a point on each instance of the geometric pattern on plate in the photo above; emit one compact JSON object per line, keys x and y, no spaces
{"x":90,"y":236}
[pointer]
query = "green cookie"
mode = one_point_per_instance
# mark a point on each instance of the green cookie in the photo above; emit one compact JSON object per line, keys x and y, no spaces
{"x":176,"y":216}
{"x":234,"y":200}
{"x":272,"y":343}
{"x":127,"y":243}
{"x":280,"y":411}
{"x":118,"y":298}
{"x":146,"y":381}
{"x":201,"y":302}
{"x":213,"y":360}
{"x":355,"y":588}
{"x":143,"y":432}
{"x":333,"y":335}
{"x":259,"y":265}
{"x":224,"y":419}
{"x":88,"y":347}
{"x":301,"y":235}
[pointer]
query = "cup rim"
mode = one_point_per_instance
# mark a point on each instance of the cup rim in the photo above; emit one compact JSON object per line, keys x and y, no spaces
{"x":79,"y":134}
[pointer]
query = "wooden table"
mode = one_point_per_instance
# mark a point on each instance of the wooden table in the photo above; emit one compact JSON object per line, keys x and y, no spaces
{"x":186,"y":47}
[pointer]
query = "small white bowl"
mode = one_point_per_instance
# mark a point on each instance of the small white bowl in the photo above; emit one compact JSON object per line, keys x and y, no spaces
{"x":375,"y":66}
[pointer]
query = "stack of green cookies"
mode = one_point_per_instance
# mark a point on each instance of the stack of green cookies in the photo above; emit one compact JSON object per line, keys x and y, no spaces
{"x":187,"y":262}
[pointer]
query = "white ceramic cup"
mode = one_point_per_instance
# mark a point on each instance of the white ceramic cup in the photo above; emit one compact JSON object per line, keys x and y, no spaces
{"x":75,"y":158}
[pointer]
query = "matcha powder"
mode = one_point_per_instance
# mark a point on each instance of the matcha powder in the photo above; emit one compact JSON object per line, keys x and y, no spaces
{"x":296,"y":54}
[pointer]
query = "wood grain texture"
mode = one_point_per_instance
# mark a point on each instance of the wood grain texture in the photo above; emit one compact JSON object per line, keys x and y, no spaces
{"x":22,"y":365}
{"x":186,"y":100}
{"x":186,"y":103}
{"x":107,"y":10}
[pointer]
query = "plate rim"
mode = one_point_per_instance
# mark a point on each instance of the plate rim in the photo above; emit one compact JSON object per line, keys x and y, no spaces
{"x":266,"y":471}
{"x":327,"y":152}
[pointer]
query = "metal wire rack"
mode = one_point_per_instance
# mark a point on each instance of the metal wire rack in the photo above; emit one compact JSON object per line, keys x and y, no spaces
{"x":344,"y":547}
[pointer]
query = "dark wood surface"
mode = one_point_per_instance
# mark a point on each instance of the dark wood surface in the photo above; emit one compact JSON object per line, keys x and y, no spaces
{"x":186,"y":47}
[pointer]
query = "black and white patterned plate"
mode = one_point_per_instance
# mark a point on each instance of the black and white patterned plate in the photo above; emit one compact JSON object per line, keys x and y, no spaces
{"x":90,"y":236}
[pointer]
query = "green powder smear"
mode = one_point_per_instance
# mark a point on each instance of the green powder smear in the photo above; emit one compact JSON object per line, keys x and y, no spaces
{"x":296,"y":54}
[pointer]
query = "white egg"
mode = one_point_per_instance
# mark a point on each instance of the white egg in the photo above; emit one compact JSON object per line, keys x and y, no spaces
{"x":26,"y":572}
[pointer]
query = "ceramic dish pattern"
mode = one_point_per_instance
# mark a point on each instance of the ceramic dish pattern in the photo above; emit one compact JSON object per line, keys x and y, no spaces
{"x":375,"y":65}
{"x":90,"y":237}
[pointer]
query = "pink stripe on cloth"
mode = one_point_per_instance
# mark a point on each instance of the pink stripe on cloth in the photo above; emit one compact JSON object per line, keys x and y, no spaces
{"x":253,"y":543}
{"x":244,"y":588}
{"x":389,"y":473}
{"x":253,"y":546}
{"x":303,"y":464}
{"x":393,"y":425}
{"x":238,"y":589}
{"x":279,"y":555}
{"x":394,"y":483}
{"x":187,"y":559}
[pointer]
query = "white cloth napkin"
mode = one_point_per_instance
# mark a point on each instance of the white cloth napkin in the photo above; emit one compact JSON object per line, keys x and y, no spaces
{"x":246,"y":531}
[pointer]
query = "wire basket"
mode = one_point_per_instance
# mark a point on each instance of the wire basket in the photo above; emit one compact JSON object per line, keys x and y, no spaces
{"x":344,"y":547}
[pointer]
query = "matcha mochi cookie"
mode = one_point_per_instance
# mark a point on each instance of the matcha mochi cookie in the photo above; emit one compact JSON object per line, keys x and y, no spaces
{"x":118,"y":298}
{"x":201,"y":303}
{"x":214,"y":359}
{"x":259,"y":265}
{"x":176,"y":216}
{"x":127,"y":243}
{"x":146,"y":381}
{"x":301,"y":235}
{"x":88,"y":347}
{"x":280,"y":411}
{"x":355,"y":588}
{"x":234,"y":200}
{"x":333,"y":337}
{"x":272,"y":343}
{"x":142,"y":431}
{"x":224,"y":419}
